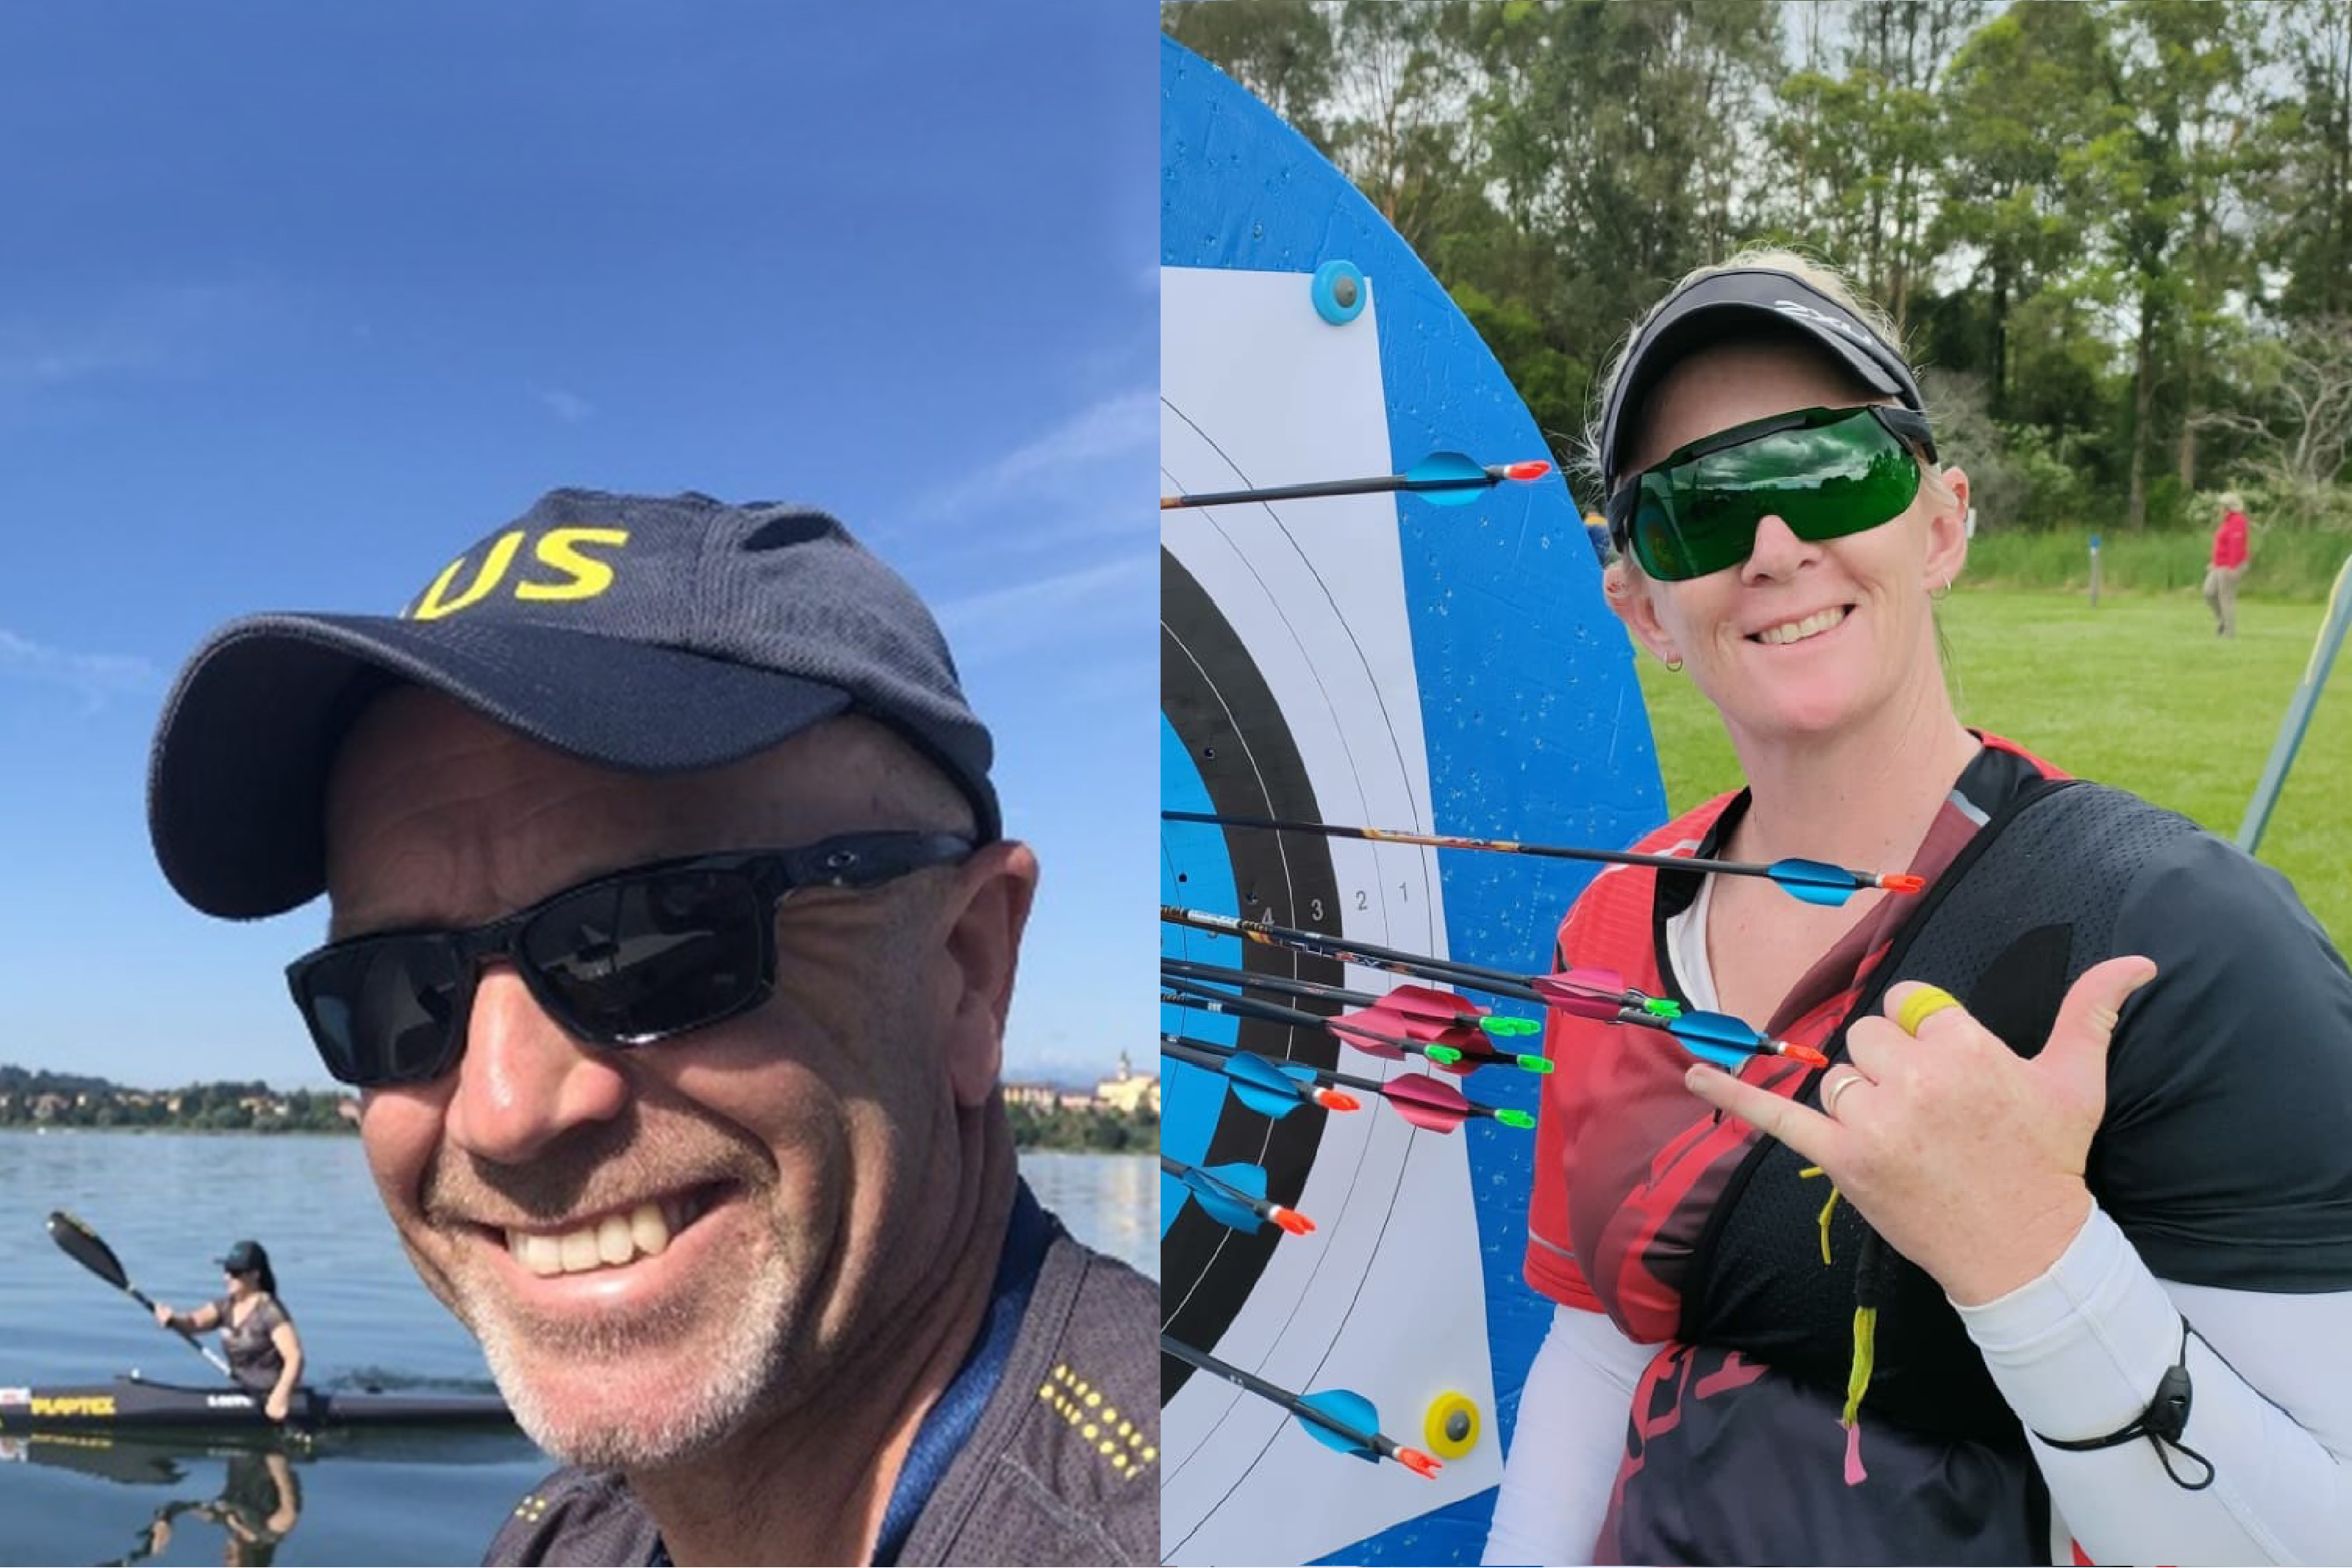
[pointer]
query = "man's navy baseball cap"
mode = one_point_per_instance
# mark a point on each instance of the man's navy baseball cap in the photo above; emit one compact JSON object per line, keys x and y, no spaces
{"x":1743,"y":298}
{"x":641,"y":634}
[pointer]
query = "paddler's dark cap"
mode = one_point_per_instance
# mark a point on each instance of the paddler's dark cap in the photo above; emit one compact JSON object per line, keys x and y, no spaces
{"x":1723,"y":302}
{"x":244,"y":1258}
{"x":646,"y":634}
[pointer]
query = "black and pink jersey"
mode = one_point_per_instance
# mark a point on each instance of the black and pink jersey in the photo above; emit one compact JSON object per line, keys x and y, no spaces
{"x":1697,"y":1236}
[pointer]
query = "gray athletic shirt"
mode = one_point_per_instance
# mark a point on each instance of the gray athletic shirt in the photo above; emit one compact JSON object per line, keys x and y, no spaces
{"x":253,"y":1358}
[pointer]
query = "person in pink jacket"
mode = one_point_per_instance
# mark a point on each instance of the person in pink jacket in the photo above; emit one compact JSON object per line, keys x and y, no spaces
{"x":2229,"y":565}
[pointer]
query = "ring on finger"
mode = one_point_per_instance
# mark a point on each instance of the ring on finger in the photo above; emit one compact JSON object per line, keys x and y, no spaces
{"x":1830,"y":1095}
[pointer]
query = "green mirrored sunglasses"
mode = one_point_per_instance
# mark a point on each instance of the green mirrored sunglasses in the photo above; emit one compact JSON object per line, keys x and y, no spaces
{"x":1825,"y":472}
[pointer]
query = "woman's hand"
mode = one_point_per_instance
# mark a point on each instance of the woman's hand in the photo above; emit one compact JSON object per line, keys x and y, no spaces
{"x":163,"y":1315}
{"x":1965,"y":1156}
{"x":278,"y":1402}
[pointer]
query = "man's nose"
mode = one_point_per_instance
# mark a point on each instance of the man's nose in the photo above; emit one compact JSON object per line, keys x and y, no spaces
{"x":524,"y":1082}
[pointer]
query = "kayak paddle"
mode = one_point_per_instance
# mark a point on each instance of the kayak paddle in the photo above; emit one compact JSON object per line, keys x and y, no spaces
{"x":83,"y":1245}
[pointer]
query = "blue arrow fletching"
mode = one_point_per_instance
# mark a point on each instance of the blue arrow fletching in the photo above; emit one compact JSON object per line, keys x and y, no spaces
{"x":1260,"y":1085}
{"x":1224,"y":1207}
{"x":1815,"y":882}
{"x":1224,"y":1191}
{"x":1460,"y":477}
{"x":1718,"y":1038}
{"x":1246,"y":1179}
{"x":1348,"y":1408}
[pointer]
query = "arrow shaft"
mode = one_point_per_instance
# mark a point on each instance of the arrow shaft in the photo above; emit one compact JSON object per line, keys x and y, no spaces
{"x":1376,"y":485}
{"x":1513,"y":847}
{"x":1450,"y":971}
{"x":1273,"y":1391}
{"x":1197,"y":1178}
{"x":1200,"y":995}
{"x":1281,"y":985}
{"x":1217,"y":1058}
{"x":1329,"y":1075}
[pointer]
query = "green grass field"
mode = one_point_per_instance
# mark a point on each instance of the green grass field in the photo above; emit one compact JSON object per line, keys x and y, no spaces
{"x":2138,"y":692}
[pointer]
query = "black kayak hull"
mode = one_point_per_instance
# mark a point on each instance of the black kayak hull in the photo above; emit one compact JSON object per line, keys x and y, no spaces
{"x":136,"y":1404}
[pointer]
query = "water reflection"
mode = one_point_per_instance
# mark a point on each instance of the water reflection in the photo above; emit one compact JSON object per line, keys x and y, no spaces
{"x":257,"y":1508}
{"x":240,"y":1513}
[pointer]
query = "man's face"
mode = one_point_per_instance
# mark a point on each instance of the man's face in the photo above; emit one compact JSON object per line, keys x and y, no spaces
{"x":656,"y":1245}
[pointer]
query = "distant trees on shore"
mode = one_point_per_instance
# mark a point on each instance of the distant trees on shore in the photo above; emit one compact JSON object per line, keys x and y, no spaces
{"x":40,"y":1099}
{"x":1099,"y":1128}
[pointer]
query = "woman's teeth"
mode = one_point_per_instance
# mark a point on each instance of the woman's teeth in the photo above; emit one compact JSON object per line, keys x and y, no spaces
{"x":1797,"y":630}
{"x":609,"y":1242}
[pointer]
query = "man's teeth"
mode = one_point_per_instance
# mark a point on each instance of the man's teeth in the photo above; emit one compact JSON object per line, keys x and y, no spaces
{"x":609,"y":1242}
{"x":1796,"y":631}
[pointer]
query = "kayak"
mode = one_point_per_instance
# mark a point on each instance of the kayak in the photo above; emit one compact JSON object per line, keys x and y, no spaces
{"x":134,"y":1403}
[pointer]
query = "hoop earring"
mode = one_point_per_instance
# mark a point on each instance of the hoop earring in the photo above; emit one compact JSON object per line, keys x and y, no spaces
{"x":1673,"y":666}
{"x":1941,"y":593}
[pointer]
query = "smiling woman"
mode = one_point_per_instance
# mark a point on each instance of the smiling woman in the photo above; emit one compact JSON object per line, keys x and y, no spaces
{"x":1748,"y":1295}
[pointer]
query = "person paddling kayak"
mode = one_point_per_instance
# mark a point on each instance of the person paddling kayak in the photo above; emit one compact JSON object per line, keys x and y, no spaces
{"x":264,"y":1354}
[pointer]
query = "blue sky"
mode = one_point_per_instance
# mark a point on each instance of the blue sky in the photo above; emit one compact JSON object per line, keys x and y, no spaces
{"x":298,"y":301}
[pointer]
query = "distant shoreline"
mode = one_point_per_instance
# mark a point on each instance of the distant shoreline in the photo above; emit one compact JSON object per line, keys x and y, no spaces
{"x":44,"y":1129}
{"x":1120,"y":1116}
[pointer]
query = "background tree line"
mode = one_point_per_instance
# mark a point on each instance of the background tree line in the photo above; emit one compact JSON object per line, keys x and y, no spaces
{"x":31,"y":1097}
{"x":2117,"y":232}
{"x":1095,"y":1129}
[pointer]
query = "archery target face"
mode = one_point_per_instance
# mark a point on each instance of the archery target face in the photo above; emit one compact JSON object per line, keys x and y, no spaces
{"x":1380,"y":661}
{"x":1289,"y":690}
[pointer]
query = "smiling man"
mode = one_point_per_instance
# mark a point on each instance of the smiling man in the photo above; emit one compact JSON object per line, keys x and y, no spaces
{"x":672,"y":936}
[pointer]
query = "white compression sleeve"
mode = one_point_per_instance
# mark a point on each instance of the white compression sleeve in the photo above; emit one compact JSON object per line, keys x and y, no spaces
{"x":1570,"y":1440}
{"x":2078,"y":1354}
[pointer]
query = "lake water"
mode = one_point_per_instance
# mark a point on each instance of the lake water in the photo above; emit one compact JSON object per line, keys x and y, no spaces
{"x":168,"y":1205}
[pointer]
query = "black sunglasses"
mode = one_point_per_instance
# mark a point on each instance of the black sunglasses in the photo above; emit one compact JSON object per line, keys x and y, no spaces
{"x":637,"y":956}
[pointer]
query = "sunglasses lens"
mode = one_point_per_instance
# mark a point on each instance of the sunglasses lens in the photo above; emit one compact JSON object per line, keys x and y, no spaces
{"x":380,"y":1012}
{"x":1824,"y":481}
{"x":638,"y":958}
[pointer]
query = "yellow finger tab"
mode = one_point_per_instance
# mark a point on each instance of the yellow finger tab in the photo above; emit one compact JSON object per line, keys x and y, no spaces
{"x":1920,"y":1005}
{"x":1450,"y":1427}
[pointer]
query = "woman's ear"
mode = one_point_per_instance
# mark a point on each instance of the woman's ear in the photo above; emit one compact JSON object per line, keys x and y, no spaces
{"x":1627,"y":592}
{"x":1947,"y":533}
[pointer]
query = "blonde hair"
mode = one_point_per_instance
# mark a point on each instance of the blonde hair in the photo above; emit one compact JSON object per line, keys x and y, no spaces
{"x":1817,"y":275}
{"x":2233,"y":502}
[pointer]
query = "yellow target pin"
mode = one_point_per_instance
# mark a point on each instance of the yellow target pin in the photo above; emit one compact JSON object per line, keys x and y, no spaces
{"x":1450,"y":1427}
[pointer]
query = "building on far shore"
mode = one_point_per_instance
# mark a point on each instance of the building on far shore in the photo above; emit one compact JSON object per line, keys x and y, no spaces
{"x":1130,"y":1091}
{"x":1126,"y":1092}
{"x":1047,"y":1096}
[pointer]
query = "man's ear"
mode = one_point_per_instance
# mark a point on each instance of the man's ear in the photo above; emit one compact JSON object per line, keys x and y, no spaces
{"x":1627,"y":595}
{"x":994,"y":891}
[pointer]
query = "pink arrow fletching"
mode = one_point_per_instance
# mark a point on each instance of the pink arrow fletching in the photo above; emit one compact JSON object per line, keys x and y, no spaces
{"x":1409,"y":1026}
{"x":1425,"y":1001}
{"x":1364,"y":1040}
{"x":1427,"y":1102}
{"x":1586,"y":993}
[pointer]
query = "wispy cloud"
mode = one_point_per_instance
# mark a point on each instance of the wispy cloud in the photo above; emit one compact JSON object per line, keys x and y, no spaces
{"x":1065,"y":607}
{"x":1076,"y":455}
{"x":142,"y":332}
{"x":94,"y":678}
{"x":31,"y":362}
{"x":568,"y":406}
